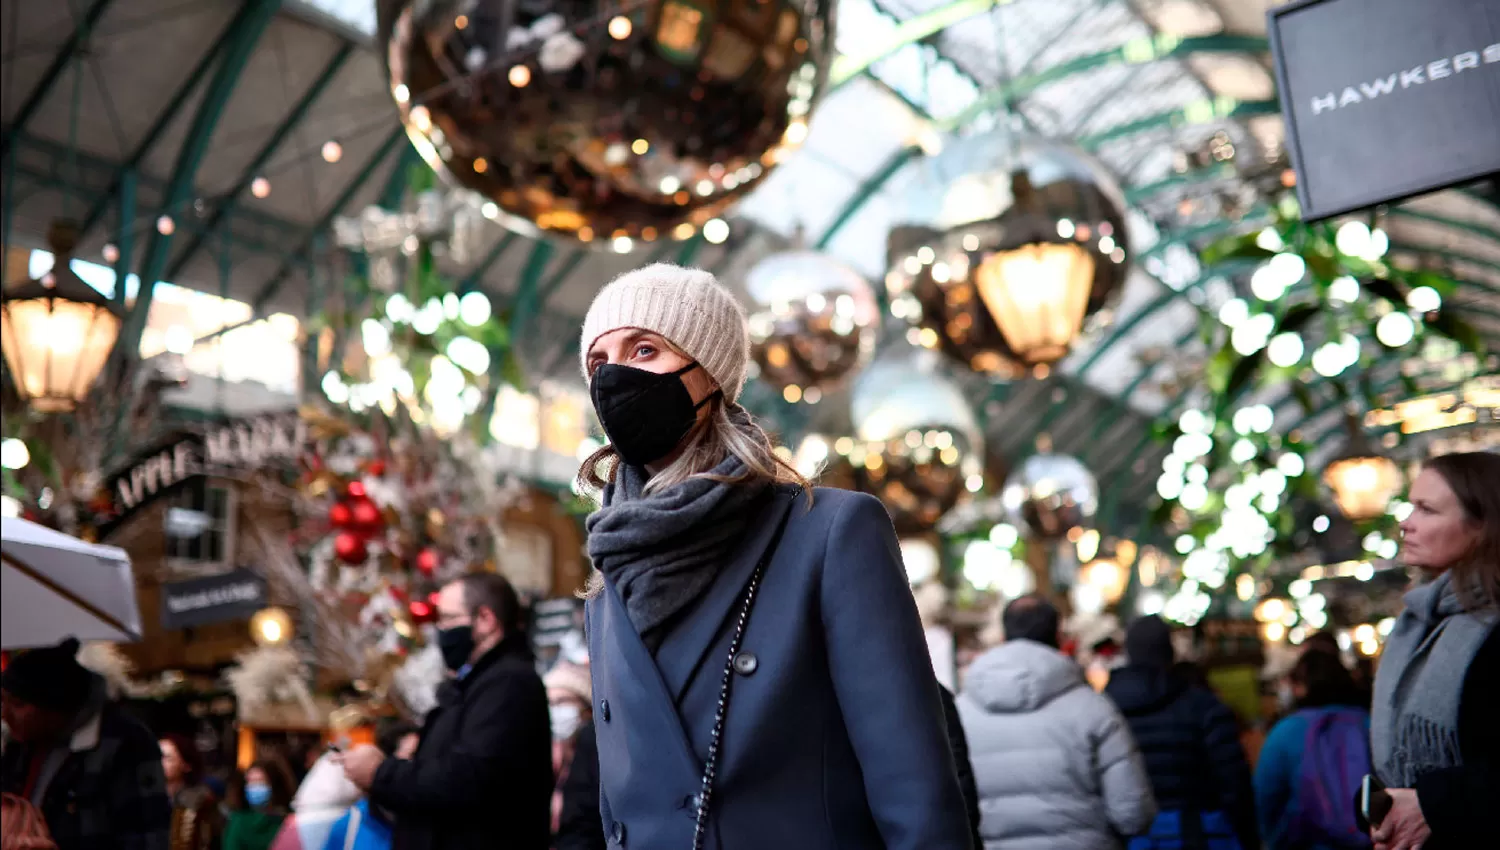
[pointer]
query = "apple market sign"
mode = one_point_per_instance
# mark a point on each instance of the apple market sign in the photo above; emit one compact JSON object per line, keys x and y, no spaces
{"x":245,"y":445}
{"x":1386,"y":99}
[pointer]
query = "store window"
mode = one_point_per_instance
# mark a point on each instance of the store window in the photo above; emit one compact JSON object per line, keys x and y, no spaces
{"x":265,"y":352}
{"x":200,"y":526}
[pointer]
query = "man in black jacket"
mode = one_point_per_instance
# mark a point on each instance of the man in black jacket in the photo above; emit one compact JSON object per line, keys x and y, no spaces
{"x":482,"y":776}
{"x":92,"y":770}
{"x":1190,"y":743}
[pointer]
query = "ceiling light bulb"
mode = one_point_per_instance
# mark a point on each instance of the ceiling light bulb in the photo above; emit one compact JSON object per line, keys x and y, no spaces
{"x":332,"y":151}
{"x":260,"y":187}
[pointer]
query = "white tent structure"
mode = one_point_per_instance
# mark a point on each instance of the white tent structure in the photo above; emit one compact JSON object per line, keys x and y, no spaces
{"x":54,"y":586}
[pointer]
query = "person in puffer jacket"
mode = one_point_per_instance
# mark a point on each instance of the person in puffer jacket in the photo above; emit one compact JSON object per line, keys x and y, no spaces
{"x":1054,"y":762}
{"x":1190,"y":742}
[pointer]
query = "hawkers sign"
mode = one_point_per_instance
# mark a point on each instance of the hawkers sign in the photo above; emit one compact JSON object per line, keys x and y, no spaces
{"x":1385,"y":99}
{"x":238,"y":446}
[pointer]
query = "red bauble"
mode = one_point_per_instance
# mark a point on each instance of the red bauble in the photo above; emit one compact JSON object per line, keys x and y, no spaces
{"x":350,"y":548}
{"x":377,"y":468}
{"x":420,"y":610}
{"x":427,"y":561}
{"x":365,"y":518}
{"x":356,"y":489}
{"x":432,"y":599}
{"x":339,"y":515}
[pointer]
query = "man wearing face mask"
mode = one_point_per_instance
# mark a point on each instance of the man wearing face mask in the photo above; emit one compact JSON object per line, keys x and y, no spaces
{"x":482,"y":775}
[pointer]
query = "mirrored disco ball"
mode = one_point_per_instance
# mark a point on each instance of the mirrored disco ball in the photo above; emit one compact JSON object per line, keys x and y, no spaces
{"x":605,"y":120}
{"x":813,"y":322}
{"x":919,"y":475}
{"x":916,"y":441}
{"x":1050,"y":494}
{"x":1002,"y":237}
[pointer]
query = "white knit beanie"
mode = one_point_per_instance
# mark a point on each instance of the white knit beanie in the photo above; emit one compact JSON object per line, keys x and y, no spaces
{"x":688,"y":307}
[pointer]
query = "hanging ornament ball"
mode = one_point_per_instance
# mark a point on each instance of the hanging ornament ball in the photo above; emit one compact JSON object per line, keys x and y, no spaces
{"x":356,"y":490}
{"x":420,"y":611}
{"x":365,"y":517}
{"x":576,"y":125}
{"x":813,"y":323}
{"x":340,"y":516}
{"x":350,"y":548}
{"x":1009,"y":249}
{"x":427,"y":561}
{"x":376,"y":468}
{"x":1049,"y":494}
{"x":916,"y":444}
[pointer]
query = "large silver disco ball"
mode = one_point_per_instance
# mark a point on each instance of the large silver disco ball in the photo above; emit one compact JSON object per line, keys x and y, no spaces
{"x":598,"y":120}
{"x":813,"y":323}
{"x":917,"y":444}
{"x":1049,"y":494}
{"x":1007,"y":246}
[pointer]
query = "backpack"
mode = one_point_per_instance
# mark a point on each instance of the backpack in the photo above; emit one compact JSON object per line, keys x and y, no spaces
{"x":1335,"y":759}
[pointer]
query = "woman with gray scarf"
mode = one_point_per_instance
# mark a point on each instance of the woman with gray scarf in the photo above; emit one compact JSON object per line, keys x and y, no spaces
{"x":760,"y":676}
{"x":1433,"y":734}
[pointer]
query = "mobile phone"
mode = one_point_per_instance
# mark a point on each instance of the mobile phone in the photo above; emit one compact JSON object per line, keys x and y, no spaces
{"x":1374,"y":802}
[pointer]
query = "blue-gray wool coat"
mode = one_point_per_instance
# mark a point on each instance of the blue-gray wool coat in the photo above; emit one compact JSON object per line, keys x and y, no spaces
{"x":834,"y":738}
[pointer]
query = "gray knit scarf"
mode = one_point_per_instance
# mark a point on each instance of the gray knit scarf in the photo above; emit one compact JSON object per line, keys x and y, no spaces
{"x":662,"y":551}
{"x":1414,"y":727}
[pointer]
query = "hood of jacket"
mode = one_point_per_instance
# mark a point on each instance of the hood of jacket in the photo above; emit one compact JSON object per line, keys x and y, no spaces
{"x":325,"y":789}
{"x":1138,"y":689}
{"x":1020,"y":676}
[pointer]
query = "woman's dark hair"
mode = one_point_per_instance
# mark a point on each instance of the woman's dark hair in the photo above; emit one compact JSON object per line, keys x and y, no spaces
{"x":192,"y":760}
{"x":390,"y":731}
{"x":1325,"y":680}
{"x":278,"y":776}
{"x":1473,"y":477}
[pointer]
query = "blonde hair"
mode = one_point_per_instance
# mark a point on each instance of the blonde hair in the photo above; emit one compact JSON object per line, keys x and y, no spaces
{"x":727,"y":430}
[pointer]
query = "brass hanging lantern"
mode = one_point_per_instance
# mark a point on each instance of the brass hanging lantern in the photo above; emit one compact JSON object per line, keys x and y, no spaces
{"x":1362,"y":480}
{"x":58,"y":331}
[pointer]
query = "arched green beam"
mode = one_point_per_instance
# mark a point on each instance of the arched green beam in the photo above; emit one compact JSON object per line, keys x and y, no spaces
{"x":1469,"y":226}
{"x":910,"y":31}
{"x":1135,"y":383}
{"x":163,"y":121}
{"x":866,"y":190}
{"x":524,"y":302}
{"x":181,"y":188}
{"x":1444,"y":254}
{"x":1197,"y":176}
{"x":397,"y":182}
{"x":263,"y":156}
{"x":472,"y":280}
{"x":335,"y":209}
{"x":1201,"y":112}
{"x":70,"y":49}
{"x":1136,"y":52}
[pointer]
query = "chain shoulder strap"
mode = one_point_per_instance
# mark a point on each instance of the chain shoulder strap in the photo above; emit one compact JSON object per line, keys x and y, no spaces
{"x":710,"y":767}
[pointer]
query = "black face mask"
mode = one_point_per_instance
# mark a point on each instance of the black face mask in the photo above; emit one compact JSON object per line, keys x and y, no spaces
{"x":456,"y":645}
{"x":644,"y":414}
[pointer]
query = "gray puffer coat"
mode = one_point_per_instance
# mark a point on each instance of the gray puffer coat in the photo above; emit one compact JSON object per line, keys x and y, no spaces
{"x":1055,"y":763}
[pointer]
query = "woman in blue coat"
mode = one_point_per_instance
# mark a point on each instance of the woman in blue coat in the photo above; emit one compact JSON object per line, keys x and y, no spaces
{"x":760,"y":677}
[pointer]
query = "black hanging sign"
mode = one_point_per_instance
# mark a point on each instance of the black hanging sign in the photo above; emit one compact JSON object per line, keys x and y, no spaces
{"x":1386,"y":99}
{"x":215,"y":599}
{"x":247,"y":444}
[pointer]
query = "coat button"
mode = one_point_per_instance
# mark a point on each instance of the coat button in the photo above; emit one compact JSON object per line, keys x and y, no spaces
{"x":604,"y":710}
{"x":617,"y":835}
{"x":746,"y":663}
